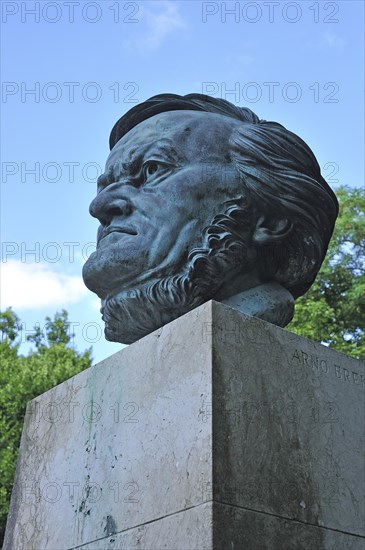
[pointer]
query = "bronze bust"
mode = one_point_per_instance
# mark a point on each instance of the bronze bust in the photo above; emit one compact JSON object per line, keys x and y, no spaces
{"x":202,"y":200}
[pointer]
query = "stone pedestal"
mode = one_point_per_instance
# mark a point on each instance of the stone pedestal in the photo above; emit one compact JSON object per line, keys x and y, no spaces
{"x":218,"y":431}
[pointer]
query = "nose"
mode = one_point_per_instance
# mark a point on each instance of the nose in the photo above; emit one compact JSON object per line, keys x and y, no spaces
{"x":107,"y":205}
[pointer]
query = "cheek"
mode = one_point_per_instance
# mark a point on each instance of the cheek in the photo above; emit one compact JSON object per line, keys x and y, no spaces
{"x":152,"y":199}
{"x":209,"y":181}
{"x":194,"y":193}
{"x":164,"y":206}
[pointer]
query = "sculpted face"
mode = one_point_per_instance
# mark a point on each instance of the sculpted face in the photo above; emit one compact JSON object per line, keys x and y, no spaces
{"x":164,"y":182}
{"x":203,"y":200}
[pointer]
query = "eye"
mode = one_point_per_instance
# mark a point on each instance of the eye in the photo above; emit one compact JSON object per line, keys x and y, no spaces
{"x":152,"y":168}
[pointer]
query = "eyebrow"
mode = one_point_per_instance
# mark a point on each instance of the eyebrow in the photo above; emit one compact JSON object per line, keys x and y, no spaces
{"x":163,"y":145}
{"x":135,"y":157}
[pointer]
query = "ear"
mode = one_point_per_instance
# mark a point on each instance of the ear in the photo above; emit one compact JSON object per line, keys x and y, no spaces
{"x":270,"y":229}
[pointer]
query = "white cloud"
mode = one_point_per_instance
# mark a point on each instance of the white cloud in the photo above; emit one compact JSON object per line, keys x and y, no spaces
{"x":37,"y":285}
{"x":160,"y":23}
{"x":95,"y":303}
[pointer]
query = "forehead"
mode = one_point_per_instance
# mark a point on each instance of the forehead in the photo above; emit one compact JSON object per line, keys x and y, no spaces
{"x":194,"y":135}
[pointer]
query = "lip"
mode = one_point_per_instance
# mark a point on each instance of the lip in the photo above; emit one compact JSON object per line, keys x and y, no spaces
{"x":117,"y":229}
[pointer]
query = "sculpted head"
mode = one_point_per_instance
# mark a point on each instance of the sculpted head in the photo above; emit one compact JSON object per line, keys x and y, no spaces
{"x":202,"y":200}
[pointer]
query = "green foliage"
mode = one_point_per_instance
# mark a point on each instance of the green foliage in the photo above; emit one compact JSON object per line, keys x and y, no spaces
{"x":56,"y":331}
{"x":9,"y":325}
{"x":24,"y":377}
{"x":333,"y":310}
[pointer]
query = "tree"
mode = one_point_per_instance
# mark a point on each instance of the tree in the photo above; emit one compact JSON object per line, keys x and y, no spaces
{"x":56,"y":331}
{"x":10,"y":325}
{"x":333,"y":310}
{"x":24,"y":377}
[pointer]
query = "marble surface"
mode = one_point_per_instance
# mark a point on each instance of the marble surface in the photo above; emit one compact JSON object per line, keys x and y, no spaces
{"x":216,"y":413}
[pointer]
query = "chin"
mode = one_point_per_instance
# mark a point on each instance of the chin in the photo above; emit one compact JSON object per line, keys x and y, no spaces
{"x":132,"y":313}
{"x":105,"y":275}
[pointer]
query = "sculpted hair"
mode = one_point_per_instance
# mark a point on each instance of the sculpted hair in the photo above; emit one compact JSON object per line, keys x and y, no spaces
{"x":281,"y":178}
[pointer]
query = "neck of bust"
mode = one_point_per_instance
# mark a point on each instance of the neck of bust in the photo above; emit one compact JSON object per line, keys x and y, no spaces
{"x":270,"y":302}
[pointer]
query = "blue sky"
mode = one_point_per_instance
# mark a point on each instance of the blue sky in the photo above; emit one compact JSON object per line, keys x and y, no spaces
{"x":298,"y":63}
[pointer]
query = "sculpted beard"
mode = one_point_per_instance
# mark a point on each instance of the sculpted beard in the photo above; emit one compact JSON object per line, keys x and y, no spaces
{"x":206,"y":270}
